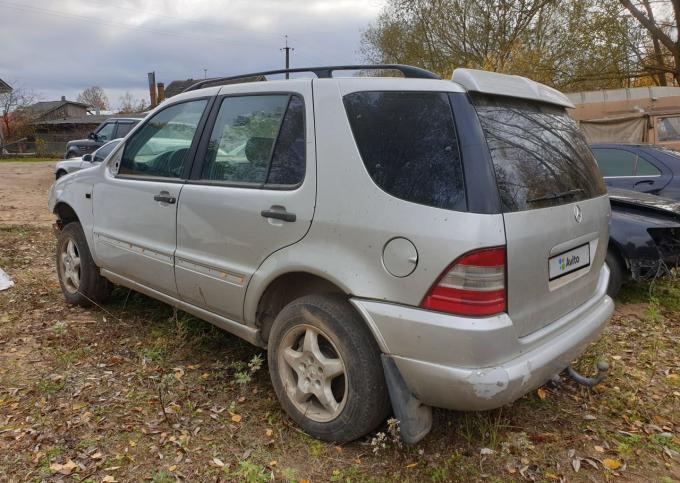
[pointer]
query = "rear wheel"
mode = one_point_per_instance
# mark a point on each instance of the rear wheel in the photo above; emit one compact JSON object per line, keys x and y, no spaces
{"x":616,"y":272}
{"x":79,"y":278}
{"x":326,"y":369}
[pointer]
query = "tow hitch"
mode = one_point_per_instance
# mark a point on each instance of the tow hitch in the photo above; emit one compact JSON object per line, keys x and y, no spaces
{"x":602,"y":368}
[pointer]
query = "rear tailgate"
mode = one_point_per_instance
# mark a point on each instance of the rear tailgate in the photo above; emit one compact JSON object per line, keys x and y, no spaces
{"x":553,"y":261}
{"x":555,"y":207}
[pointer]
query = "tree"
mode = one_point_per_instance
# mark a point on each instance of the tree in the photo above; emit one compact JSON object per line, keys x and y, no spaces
{"x":663,"y":34}
{"x":94,"y":97}
{"x":129,"y":104}
{"x":579,"y":44}
{"x":15,"y":118}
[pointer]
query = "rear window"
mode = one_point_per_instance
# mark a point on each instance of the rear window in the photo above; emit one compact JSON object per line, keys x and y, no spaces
{"x":408,"y":143}
{"x":539,"y":156}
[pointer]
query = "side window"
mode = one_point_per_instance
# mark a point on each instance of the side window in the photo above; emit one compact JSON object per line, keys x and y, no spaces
{"x":615,"y":162}
{"x":160,"y":147}
{"x":645,"y":168}
{"x":123,"y":129}
{"x":244,"y":147}
{"x":106,"y":131}
{"x":288,"y":162}
{"x":408,"y":143}
{"x":668,"y":129}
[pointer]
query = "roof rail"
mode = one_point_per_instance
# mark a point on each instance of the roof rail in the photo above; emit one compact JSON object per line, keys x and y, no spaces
{"x":323,"y":73}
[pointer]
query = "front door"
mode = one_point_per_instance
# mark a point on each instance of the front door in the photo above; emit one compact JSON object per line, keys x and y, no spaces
{"x":135,"y":208}
{"x":252,"y":193}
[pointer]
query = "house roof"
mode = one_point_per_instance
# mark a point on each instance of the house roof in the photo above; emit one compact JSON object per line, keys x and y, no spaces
{"x":44,"y":107}
{"x":4,"y":86}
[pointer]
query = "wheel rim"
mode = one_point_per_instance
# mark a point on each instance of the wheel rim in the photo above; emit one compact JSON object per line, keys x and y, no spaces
{"x":313,"y":373}
{"x":70,"y":266}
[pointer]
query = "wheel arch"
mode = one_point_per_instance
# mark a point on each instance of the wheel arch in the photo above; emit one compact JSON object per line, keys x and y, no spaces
{"x":65,"y":214}
{"x":285,"y":288}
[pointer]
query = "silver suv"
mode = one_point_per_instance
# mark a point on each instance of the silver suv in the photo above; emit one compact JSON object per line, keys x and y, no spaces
{"x":396,"y":243}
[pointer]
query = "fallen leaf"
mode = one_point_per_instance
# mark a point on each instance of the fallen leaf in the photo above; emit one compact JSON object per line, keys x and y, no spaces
{"x":65,"y":469}
{"x":542,"y":393}
{"x":269,"y":432}
{"x":412,"y":465}
{"x":486,"y":451}
{"x":218,"y":462}
{"x":108,"y":479}
{"x":576,"y":464}
{"x":611,"y":464}
{"x":172,"y":468}
{"x":236,"y":418}
{"x":599,"y":449}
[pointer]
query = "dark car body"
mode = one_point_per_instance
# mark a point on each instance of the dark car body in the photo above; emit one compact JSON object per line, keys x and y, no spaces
{"x":110,"y":129}
{"x":645,"y":168}
{"x":644,"y":235}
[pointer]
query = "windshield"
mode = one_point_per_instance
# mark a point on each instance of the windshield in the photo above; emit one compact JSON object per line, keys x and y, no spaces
{"x":539,"y":156}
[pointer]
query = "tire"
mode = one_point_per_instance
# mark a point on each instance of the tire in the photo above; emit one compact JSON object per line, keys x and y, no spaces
{"x":616,"y":272}
{"x":61,"y":173}
{"x":79,"y":277}
{"x":344,"y":346}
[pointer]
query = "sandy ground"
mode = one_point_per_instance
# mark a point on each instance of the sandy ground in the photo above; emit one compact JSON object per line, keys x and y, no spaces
{"x":23,"y":193}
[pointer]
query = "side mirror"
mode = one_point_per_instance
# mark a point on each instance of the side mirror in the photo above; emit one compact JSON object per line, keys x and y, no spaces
{"x":88,"y":158}
{"x":92,"y":136}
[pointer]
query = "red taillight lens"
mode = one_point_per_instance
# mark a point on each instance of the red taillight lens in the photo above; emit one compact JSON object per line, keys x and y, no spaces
{"x":472,"y":285}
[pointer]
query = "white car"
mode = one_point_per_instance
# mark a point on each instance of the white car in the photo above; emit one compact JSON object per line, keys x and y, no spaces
{"x":85,"y":161}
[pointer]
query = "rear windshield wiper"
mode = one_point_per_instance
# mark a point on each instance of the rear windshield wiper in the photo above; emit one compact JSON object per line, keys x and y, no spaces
{"x":555,"y":196}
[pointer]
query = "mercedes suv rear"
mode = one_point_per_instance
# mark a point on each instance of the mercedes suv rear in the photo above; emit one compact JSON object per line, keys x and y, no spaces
{"x":393,"y":242}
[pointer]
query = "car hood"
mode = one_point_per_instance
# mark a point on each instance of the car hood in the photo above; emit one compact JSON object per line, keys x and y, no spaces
{"x":69,"y":163}
{"x":623,"y":198}
{"x":81,"y":142}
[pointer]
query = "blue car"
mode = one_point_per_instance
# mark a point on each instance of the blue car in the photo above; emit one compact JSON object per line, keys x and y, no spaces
{"x":640,"y":167}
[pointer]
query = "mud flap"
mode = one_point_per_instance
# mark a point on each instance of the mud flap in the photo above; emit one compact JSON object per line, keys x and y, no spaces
{"x":415,"y":418}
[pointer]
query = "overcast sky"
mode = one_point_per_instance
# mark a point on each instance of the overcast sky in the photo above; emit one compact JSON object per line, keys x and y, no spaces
{"x":60,"y":47}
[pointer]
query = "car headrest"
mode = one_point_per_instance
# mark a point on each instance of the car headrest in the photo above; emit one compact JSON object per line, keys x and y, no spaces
{"x":258,"y":150}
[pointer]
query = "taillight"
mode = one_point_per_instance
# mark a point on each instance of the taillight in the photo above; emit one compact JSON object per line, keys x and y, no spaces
{"x":472,"y":285}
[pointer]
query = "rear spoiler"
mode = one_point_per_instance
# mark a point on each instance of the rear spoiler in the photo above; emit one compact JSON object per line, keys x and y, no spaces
{"x":509,"y":85}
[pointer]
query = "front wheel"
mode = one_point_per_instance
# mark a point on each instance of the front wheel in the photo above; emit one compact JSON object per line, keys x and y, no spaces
{"x":79,"y":278}
{"x":326,"y":369}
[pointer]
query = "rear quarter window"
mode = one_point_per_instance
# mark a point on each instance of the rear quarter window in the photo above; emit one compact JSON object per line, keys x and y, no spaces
{"x":407,"y":141}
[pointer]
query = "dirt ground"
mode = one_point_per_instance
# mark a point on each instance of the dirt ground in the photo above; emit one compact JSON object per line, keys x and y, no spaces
{"x":133,"y":391}
{"x":23,"y":193}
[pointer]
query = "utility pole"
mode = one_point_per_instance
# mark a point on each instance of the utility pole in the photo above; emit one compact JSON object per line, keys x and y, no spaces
{"x":287,"y":50}
{"x":205,"y":73}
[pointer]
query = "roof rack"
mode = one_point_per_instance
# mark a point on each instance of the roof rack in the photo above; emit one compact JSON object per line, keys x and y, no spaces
{"x":408,"y":71}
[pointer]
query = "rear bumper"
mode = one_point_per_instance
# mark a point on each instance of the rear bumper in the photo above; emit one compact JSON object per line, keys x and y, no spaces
{"x":477,"y":364}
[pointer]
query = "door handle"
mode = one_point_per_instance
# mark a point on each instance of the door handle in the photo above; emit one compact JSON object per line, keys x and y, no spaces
{"x":278,"y":213}
{"x":165,"y":197}
{"x":644,"y":181}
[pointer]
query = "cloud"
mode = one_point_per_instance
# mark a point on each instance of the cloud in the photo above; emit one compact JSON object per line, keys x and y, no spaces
{"x":61,"y":47}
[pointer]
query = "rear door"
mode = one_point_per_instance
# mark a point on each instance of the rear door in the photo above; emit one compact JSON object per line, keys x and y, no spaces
{"x":555,"y":208}
{"x":617,"y":166}
{"x":251,"y":192}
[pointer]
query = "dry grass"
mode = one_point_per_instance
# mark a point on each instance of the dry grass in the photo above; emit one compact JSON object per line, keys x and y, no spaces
{"x":136,"y":391}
